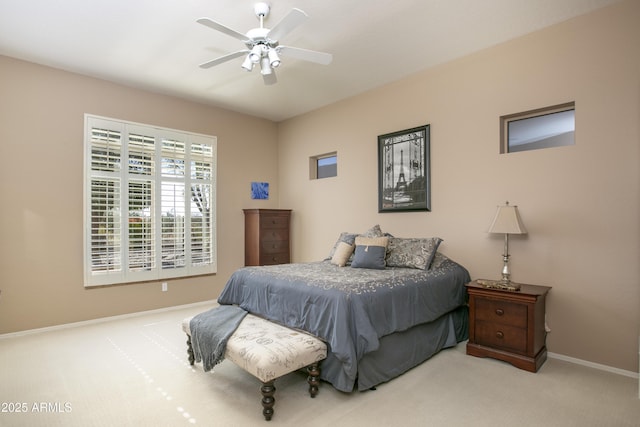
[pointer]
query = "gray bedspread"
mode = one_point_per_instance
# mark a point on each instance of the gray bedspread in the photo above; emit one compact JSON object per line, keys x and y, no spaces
{"x":351,"y":309}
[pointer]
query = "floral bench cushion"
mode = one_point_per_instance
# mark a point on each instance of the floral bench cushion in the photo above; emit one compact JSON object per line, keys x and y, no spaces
{"x":267,"y":350}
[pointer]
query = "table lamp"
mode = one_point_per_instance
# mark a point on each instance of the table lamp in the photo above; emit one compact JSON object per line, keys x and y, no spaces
{"x":507,"y":221}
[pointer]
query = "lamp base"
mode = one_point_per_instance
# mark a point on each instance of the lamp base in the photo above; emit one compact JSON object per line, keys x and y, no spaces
{"x":499,"y":284}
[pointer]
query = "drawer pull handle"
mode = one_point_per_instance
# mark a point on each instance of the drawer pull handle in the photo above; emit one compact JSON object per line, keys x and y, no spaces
{"x":499,"y":311}
{"x":499,"y":334}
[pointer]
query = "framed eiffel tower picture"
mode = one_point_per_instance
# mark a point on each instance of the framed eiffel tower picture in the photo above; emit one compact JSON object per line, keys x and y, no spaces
{"x":404,"y":182}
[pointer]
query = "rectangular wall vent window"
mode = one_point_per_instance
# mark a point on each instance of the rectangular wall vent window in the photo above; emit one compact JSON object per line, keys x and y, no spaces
{"x":323,"y":166}
{"x":542,"y":128}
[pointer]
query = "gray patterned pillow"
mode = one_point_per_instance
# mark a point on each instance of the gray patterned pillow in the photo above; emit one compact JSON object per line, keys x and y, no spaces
{"x":412,"y":252}
{"x":374,"y":231}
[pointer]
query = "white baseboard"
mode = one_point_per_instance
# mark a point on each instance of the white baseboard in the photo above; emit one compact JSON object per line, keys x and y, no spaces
{"x":593,"y":365}
{"x":103,"y":319}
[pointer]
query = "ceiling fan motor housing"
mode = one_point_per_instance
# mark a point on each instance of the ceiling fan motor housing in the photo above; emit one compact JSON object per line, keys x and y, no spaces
{"x":257,"y":35}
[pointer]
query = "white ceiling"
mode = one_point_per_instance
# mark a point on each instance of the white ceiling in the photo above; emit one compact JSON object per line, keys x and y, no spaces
{"x":157,"y":45}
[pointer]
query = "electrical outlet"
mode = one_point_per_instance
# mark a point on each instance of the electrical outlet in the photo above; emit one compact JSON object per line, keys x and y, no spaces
{"x":165,"y":286}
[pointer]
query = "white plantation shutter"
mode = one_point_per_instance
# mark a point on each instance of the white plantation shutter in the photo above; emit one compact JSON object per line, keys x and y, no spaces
{"x":141,"y":218}
{"x":149,"y":202}
{"x":202,"y":175}
{"x":173,"y":207}
{"x":105,"y":251}
{"x":105,"y":226}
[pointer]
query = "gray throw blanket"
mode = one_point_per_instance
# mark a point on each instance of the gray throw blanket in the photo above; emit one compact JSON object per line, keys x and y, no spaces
{"x":210,"y":332}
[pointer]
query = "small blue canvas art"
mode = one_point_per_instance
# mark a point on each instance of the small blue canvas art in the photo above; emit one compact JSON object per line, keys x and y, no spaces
{"x":260,"y":190}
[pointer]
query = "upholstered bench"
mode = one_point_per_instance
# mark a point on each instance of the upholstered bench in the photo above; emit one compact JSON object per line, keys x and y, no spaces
{"x":268,"y":351}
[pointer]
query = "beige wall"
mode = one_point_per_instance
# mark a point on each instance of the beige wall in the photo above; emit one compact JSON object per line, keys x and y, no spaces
{"x":41,"y":152}
{"x":579,"y":203}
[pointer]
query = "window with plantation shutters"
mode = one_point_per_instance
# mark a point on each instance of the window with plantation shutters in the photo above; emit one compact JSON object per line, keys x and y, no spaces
{"x":149,"y":202}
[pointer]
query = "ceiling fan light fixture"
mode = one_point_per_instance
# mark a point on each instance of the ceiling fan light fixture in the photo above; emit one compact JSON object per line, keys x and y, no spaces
{"x":274,"y":59}
{"x":265,"y":67}
{"x":256,"y":54}
{"x":247,"y":64}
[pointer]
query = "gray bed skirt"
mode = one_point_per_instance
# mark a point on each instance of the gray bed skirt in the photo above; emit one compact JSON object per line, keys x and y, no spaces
{"x":404,"y":350}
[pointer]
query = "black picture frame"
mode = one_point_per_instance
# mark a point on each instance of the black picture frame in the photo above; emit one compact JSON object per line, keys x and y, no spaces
{"x":404,"y":171}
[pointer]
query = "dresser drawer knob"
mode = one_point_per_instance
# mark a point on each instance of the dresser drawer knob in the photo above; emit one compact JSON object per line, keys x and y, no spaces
{"x":499,"y":334}
{"x":499,"y":311}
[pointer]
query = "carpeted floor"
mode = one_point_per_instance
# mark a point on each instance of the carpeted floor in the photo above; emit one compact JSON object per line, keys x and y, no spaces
{"x":134,"y":372}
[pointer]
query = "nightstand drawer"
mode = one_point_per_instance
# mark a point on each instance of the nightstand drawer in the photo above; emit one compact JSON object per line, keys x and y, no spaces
{"x":501,"y":336}
{"x":502,"y":312}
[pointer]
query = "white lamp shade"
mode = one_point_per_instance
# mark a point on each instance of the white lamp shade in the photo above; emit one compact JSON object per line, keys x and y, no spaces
{"x":265,"y":67}
{"x":247,"y":64}
{"x":256,"y":54}
{"x":507,"y":221}
{"x":274,"y":59}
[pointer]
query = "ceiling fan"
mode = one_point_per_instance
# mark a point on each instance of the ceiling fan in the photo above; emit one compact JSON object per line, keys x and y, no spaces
{"x":263,"y":44}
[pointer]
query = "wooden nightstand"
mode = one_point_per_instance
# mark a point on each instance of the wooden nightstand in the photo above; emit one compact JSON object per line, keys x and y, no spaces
{"x":508,"y":325}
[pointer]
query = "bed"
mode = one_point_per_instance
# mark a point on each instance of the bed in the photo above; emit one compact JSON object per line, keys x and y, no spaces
{"x":378,"y":321}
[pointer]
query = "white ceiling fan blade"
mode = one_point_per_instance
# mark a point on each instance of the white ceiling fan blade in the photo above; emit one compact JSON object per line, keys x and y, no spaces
{"x":287,"y":24}
{"x":305,"y":54}
{"x":223,"y":59}
{"x":270,"y":79}
{"x":223,"y":29}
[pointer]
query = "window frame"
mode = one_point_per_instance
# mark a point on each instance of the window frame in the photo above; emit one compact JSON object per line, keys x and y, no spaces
{"x":533,"y":117}
{"x":145,"y":171}
{"x":314,"y":165}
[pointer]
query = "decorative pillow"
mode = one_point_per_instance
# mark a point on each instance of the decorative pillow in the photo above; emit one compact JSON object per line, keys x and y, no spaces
{"x":438,"y":260}
{"x":348,"y":238}
{"x":370,"y":252}
{"x":374,"y":231}
{"x":342,"y":254}
{"x":412,"y":252}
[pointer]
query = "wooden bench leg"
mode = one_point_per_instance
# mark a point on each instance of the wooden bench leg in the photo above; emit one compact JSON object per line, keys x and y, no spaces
{"x":312,"y":379}
{"x":192,"y":358}
{"x":268,"y":400}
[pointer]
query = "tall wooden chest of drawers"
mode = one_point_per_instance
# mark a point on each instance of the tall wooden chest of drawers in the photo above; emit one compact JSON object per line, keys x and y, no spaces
{"x":508,"y":325}
{"x":266,"y":236}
